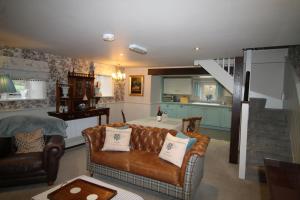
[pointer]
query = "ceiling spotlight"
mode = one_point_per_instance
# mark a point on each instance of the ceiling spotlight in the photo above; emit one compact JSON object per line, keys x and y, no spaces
{"x":137,"y":49}
{"x":108,"y":37}
{"x":197,"y":48}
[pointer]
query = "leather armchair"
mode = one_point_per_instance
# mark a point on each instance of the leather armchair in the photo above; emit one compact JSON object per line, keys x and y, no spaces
{"x":17,"y":169}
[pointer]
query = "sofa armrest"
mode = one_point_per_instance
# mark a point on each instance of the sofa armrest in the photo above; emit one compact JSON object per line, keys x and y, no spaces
{"x":95,"y":137}
{"x":53,"y":149}
{"x":199,"y":149}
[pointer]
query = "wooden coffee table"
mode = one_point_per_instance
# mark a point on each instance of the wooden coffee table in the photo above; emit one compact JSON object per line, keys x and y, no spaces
{"x":121,"y":193}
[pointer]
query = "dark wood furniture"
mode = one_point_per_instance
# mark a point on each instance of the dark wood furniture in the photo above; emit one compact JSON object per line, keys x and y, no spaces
{"x":87,"y":188}
{"x":83,"y":114}
{"x":81,"y":99}
{"x":123,"y":116}
{"x":191,"y":124}
{"x":283,"y":179}
{"x":81,"y":94}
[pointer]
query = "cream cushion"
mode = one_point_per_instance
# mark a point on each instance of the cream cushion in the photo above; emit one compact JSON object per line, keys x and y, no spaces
{"x":30,"y":142}
{"x":117,"y":139}
{"x":173,"y":149}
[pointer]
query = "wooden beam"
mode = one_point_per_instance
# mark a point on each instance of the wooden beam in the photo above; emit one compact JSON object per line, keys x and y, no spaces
{"x":236,"y":110}
{"x":178,"y":71}
{"x":270,"y":47}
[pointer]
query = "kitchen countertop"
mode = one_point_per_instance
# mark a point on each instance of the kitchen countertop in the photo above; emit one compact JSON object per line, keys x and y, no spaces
{"x":198,"y":104}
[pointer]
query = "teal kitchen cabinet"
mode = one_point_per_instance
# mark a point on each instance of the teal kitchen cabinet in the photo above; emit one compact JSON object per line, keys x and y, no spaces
{"x":226,"y":118}
{"x":170,"y":109}
{"x":212,"y":116}
{"x":198,"y":111}
{"x":217,"y":117}
{"x":183,"y":111}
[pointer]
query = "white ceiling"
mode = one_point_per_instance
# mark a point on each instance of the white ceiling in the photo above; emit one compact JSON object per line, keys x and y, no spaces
{"x":169,"y":29}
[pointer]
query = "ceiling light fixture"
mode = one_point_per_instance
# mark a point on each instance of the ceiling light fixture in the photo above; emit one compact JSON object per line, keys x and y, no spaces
{"x":197,"y":48}
{"x":108,"y":37}
{"x":137,"y":49}
{"x":118,"y":75}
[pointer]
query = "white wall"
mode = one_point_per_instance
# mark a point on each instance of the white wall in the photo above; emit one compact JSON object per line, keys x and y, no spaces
{"x":115,"y":112}
{"x":142,"y":106}
{"x":292,"y":105}
{"x":267,"y":76}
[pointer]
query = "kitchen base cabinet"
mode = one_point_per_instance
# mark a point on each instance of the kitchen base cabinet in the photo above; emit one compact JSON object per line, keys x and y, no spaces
{"x":215,"y":117}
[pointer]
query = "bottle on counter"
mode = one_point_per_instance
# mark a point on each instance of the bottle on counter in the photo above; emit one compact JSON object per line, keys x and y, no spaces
{"x":159,"y":115}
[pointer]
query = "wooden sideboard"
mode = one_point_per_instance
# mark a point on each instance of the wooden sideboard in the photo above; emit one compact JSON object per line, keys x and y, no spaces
{"x":83,"y":114}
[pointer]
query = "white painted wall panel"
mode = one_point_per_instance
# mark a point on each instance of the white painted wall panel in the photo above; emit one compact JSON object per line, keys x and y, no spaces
{"x":292,"y":104}
{"x":75,"y":127}
{"x":267,"y":75}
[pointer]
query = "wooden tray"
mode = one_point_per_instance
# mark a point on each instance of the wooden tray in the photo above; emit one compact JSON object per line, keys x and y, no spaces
{"x":87,"y":188}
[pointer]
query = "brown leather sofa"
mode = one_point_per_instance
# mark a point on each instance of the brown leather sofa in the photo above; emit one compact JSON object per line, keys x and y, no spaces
{"x":24,"y":168}
{"x":142,"y":166}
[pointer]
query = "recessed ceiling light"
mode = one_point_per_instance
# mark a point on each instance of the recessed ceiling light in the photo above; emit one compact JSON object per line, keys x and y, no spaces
{"x":121,"y":54}
{"x":108,"y":37}
{"x":197,"y":48}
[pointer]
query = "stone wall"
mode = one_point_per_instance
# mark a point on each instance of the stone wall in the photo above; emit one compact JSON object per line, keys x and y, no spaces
{"x":58,"y":69}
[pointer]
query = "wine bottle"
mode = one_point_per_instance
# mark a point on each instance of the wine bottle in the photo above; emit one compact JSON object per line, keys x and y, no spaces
{"x":159,"y":115}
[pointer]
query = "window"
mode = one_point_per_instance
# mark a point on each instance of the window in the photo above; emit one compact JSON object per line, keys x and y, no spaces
{"x":29,"y":89}
{"x":104,"y":86}
{"x":209,"y":92}
{"x":206,"y":90}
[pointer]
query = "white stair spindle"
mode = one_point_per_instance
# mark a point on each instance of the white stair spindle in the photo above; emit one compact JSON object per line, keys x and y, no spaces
{"x":223,"y":63}
{"x":228,"y":61}
{"x":233,"y":65}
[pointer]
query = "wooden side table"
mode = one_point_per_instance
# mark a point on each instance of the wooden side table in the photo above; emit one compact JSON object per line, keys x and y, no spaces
{"x":83,"y":114}
{"x":283,"y":179}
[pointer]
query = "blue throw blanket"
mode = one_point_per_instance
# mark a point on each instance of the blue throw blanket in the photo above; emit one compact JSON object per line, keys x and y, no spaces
{"x":9,"y":126}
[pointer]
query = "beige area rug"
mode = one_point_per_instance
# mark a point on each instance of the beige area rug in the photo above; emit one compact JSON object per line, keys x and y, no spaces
{"x":220,"y":180}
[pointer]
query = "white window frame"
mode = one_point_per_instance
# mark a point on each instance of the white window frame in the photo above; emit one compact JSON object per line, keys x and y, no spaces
{"x":107,"y":80}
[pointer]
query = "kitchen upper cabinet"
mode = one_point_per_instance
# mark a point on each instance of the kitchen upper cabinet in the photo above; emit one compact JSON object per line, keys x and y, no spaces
{"x":178,"y":86}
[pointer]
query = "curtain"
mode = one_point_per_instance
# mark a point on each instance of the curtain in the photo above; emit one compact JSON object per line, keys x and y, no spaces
{"x":196,"y":88}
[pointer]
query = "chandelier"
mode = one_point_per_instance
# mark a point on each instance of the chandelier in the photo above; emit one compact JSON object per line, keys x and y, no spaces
{"x":119,"y":76}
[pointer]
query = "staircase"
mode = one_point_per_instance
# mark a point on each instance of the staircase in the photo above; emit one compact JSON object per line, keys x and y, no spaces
{"x":268,"y":137}
{"x":221,"y":69}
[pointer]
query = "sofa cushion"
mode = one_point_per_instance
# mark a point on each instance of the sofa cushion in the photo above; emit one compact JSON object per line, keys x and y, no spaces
{"x":21,"y":163}
{"x":174,"y":149}
{"x":117,"y":139}
{"x":141,"y":163}
{"x":192,"y":141}
{"x":150,"y":165}
{"x":30,"y":142}
{"x":115,"y":159}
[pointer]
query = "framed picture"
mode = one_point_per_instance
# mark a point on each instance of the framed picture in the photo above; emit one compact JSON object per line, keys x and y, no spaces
{"x":136,"y":85}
